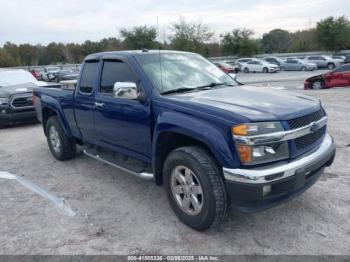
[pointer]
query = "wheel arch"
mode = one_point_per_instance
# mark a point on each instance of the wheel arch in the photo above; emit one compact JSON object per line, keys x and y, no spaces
{"x":168,"y":137}
{"x":49,"y":111}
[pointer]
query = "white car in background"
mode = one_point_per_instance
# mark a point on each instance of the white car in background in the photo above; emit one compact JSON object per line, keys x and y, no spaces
{"x":242,"y":61}
{"x":10,"y":77}
{"x":260,"y":66}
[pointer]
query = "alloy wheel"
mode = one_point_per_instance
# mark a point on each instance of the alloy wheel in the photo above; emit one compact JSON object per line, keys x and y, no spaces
{"x":55,"y":139}
{"x":187,"y":190}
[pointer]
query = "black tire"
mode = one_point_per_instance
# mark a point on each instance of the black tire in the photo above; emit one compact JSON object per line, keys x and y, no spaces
{"x":283,"y":68}
{"x":214,"y":199}
{"x":331,"y":66}
{"x":303,"y":68}
{"x":265,"y":70}
{"x":67,"y":148}
{"x":246,"y":70}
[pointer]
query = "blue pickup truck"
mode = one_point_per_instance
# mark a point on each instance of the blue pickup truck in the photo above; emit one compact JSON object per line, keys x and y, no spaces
{"x":177,"y":119}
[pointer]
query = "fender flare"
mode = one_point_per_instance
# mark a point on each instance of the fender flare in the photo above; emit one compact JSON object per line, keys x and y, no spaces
{"x":52,"y":104}
{"x":210,"y":136}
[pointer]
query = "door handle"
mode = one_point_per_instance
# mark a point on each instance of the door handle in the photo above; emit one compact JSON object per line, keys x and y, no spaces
{"x":99,"y":105}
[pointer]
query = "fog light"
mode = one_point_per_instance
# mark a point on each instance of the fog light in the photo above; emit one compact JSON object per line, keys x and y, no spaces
{"x":267,"y":190}
{"x":3,"y":111}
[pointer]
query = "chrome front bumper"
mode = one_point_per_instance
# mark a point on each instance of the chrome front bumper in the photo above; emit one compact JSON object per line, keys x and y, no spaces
{"x":280,"y":171}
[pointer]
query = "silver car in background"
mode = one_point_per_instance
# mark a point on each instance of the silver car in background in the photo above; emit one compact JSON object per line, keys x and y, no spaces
{"x":323,"y":61}
{"x":297,"y":65}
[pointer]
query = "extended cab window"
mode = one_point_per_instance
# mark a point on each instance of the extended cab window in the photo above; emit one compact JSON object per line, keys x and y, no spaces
{"x":114,"y":71}
{"x":89,"y":76}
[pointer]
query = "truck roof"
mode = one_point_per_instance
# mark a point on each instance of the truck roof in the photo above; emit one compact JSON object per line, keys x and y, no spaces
{"x":116,"y":54}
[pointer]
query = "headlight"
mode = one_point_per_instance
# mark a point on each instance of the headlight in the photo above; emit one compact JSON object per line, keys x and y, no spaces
{"x":4,"y":100}
{"x":259,"y":154}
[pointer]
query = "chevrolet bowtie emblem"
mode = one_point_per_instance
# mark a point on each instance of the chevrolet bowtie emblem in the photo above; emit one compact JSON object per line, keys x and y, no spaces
{"x":314,"y":127}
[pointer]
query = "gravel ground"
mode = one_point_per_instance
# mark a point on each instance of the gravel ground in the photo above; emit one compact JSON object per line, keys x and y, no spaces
{"x":120,"y":214}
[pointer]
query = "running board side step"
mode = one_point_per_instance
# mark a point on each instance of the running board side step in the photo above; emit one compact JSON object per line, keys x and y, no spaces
{"x":143,"y":175}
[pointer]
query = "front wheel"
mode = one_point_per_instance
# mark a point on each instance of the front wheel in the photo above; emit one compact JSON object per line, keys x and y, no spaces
{"x":303,"y":68}
{"x":61,"y":146}
{"x":317,"y":84}
{"x":246,"y":70}
{"x":265,"y":70}
{"x":195,"y":188}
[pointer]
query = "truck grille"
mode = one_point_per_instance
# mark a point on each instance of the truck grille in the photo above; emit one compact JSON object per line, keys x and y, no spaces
{"x":22,"y":102}
{"x":306,"y":120}
{"x":304,"y":143}
{"x":308,"y":140}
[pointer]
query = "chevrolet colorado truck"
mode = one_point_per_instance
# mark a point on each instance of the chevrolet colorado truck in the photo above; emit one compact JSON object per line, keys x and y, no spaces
{"x":177,"y":119}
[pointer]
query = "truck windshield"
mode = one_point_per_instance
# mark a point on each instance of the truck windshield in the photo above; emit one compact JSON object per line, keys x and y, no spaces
{"x":182,"y":71}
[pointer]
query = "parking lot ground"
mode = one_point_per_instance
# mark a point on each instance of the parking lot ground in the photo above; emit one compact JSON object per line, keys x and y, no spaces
{"x":120,"y":214}
{"x":285,"y":77}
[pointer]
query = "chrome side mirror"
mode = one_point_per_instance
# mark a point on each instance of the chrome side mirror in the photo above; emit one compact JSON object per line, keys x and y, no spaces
{"x":125,"y":90}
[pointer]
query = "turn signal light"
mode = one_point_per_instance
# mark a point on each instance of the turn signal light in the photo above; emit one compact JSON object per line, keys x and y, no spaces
{"x":241,"y":130}
{"x":245,"y":153}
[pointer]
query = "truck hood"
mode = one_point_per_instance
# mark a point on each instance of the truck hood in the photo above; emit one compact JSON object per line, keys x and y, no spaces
{"x":16,"y":89}
{"x":254,"y":103}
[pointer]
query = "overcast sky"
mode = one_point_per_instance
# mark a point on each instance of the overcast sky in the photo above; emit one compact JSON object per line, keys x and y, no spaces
{"x":44,"y":21}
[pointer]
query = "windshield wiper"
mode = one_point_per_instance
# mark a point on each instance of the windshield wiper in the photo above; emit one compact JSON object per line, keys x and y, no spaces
{"x":211,"y":85}
{"x":187,"y":89}
{"x":179,"y":90}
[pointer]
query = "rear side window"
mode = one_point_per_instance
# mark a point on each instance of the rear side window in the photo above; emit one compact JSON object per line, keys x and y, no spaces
{"x":88,"y":77}
{"x":114,"y":71}
{"x":343,"y":68}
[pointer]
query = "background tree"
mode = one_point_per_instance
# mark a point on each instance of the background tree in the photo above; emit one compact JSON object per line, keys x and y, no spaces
{"x":276,"y":41}
{"x":304,"y":41}
{"x":239,"y":42}
{"x":334,"y":33}
{"x":190,"y":36}
{"x":139,"y":37}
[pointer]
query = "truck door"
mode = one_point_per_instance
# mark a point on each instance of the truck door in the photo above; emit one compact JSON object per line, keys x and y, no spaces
{"x":121,"y":123}
{"x":84,"y":101}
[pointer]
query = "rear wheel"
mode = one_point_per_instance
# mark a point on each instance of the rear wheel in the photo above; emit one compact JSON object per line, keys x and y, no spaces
{"x":246,"y":70}
{"x":61,"y":146}
{"x":331,"y":66}
{"x":283,"y":68}
{"x":317,"y":84}
{"x":195,"y":188}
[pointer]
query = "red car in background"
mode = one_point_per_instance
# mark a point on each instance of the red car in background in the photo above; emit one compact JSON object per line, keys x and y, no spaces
{"x":227,"y":68}
{"x":339,"y":77}
{"x":36,"y":74}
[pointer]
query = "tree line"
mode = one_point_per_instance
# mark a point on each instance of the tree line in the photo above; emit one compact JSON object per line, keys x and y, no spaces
{"x":331,"y":34}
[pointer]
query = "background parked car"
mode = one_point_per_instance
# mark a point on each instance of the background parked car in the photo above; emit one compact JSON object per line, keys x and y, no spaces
{"x":260,"y":66}
{"x":227,"y":68}
{"x":242,"y":61}
{"x":297,"y":65}
{"x":37,"y":74}
{"x":347,"y":59}
{"x":339,"y":77}
{"x":16,"y":104}
{"x":66,"y":75}
{"x":339,"y":57}
{"x":273,"y":60}
{"x":323,"y":61}
{"x":49,"y":73}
